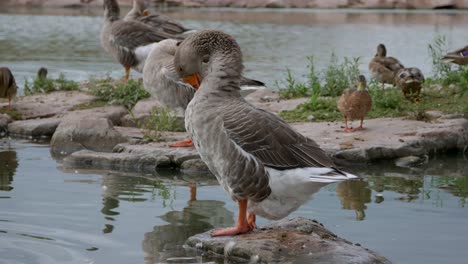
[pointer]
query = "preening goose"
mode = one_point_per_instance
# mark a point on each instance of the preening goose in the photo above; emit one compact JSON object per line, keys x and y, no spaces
{"x":259,"y":159}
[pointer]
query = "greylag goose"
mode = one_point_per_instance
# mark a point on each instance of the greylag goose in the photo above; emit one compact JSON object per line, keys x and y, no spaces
{"x":259,"y":159}
{"x":355,"y":103}
{"x":7,"y":85}
{"x":162,"y":23}
{"x":384,"y":68}
{"x":459,"y":57}
{"x":127,"y":41}
{"x":161,"y":80}
{"x":410,"y":80}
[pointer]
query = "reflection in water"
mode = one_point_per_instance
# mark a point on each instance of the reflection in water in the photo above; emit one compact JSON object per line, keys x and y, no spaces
{"x":8,"y":165}
{"x":354,"y":195}
{"x":199,"y":216}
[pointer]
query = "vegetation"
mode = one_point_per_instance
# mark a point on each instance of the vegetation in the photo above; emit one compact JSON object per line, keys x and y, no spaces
{"x":117,"y":92}
{"x":93,"y":104}
{"x":330,"y":82}
{"x":445,"y":91}
{"x":160,"y":119}
{"x":15,"y":115}
{"x":47,"y":85}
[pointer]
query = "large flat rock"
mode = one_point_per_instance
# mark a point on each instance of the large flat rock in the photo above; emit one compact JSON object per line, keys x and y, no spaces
{"x":44,"y":127}
{"x":297,"y":240}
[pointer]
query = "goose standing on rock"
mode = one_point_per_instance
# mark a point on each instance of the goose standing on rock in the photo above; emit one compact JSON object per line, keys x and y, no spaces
{"x":355,"y":103}
{"x":129,"y":42}
{"x":161,"y":80}
{"x":384,"y":68}
{"x":459,"y":56}
{"x":259,"y":159}
{"x":7,"y":85}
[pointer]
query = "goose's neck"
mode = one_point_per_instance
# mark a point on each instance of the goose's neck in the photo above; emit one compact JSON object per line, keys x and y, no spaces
{"x":224,"y":73}
{"x":111,"y":10}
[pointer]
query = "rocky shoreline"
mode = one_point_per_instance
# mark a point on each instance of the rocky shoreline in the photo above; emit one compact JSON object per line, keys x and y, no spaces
{"x":104,"y":138}
{"x":321,"y":4}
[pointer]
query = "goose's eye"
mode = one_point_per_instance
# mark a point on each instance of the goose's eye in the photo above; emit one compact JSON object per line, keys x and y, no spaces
{"x":402,"y":75}
{"x":180,"y":69}
{"x":178,"y":43}
{"x":206,"y":59}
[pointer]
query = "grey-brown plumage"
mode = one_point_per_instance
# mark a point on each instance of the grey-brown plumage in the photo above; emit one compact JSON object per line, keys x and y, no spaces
{"x":355,"y":103}
{"x":459,"y":56}
{"x":384,"y":68}
{"x":162,"y":81}
{"x":7,"y":85}
{"x":126,"y":41}
{"x":42,"y":73}
{"x":159,"y":22}
{"x":410,"y":80}
{"x":255,"y":155}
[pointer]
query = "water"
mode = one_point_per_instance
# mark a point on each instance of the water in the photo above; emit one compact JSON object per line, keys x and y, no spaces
{"x":68,"y":41}
{"x":52,"y":215}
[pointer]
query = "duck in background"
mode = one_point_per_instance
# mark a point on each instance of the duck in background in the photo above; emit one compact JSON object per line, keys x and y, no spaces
{"x":129,"y":42}
{"x":409,"y":81}
{"x":459,"y":56}
{"x":384,"y":68}
{"x":355,"y":103}
{"x":8,"y":86}
{"x":257,"y":157}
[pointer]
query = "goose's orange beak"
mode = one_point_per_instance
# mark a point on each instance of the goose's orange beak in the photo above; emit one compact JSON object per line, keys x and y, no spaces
{"x":193,"y":80}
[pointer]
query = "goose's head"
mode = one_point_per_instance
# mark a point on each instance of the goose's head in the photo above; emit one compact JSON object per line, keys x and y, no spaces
{"x":381,"y":51}
{"x":111,"y":9}
{"x":140,"y":7}
{"x":208,"y":53}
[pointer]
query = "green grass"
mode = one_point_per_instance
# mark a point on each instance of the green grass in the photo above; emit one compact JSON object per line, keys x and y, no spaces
{"x":330,"y":82}
{"x":117,"y":92}
{"x":15,"y":115}
{"x":160,"y":119}
{"x":47,"y":85}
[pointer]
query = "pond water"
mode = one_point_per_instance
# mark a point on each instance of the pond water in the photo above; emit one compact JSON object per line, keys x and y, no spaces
{"x":49,"y":214}
{"x":52,"y":215}
{"x":67,"y":41}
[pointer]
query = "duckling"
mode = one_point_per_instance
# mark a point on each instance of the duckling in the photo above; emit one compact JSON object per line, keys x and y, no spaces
{"x":355,"y":103}
{"x":42,"y":74}
{"x":409,"y":80}
{"x":384,"y":68}
{"x":459,"y":56}
{"x":7,"y":85}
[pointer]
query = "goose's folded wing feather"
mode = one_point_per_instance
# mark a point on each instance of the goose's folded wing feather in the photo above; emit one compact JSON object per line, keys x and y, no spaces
{"x":163,"y":24}
{"x":132,"y":34}
{"x":271,"y":140}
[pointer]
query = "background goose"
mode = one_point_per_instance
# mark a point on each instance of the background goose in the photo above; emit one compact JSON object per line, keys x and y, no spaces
{"x":261,"y":161}
{"x":7,"y":85}
{"x":127,"y":41}
{"x":459,"y":57}
{"x":384,"y":68}
{"x":355,"y":103}
{"x":410,"y":80}
{"x":161,"y":80}
{"x":159,"y":22}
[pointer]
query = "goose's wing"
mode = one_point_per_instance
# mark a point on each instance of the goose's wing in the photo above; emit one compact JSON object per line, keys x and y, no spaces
{"x":163,"y":23}
{"x":129,"y":35}
{"x":271,"y":140}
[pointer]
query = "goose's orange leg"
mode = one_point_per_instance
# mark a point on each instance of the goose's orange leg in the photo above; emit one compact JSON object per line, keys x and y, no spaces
{"x":242,"y":226}
{"x":347,"y":129}
{"x":127,"y":74}
{"x":182,"y":144}
{"x":251,"y":220}
{"x":193,"y":191}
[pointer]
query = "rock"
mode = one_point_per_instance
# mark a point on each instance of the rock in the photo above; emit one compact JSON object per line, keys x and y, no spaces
{"x":297,"y":240}
{"x":310,"y":118}
{"x":44,"y":127}
{"x":409,"y":161}
{"x":112,"y":112}
{"x":4,"y":121}
{"x":78,"y":132}
{"x":194,"y":166}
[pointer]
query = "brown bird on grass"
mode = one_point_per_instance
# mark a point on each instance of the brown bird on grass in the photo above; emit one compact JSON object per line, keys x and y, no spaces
{"x":355,"y":103}
{"x":384,"y":68}
{"x":459,"y":56}
{"x":7,"y":85}
{"x":410,"y":80}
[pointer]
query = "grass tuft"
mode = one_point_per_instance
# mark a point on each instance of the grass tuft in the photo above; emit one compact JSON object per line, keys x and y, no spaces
{"x":47,"y":85}
{"x":160,"y":119}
